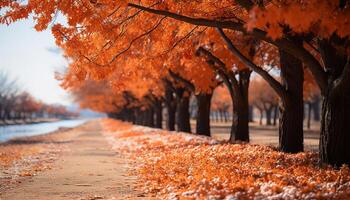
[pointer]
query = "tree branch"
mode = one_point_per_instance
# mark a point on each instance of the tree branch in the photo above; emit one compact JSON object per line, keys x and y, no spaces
{"x":219,"y":67}
{"x":283,"y":43}
{"x":135,"y":39}
{"x":179,"y":78}
{"x":265,"y":75}
{"x":247,"y":4}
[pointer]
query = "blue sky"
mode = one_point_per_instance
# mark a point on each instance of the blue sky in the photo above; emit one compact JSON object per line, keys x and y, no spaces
{"x":32,"y":57}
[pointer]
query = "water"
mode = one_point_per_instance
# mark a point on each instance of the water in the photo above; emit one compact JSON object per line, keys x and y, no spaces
{"x":14,"y":131}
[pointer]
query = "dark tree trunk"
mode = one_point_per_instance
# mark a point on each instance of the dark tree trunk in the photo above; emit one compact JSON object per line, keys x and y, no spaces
{"x":316,"y":108}
{"x":292,"y":108}
{"x":275,"y":114}
{"x":203,"y":114}
{"x":138,"y":117}
{"x":159,"y":114}
{"x":221,"y":116}
{"x":261,"y":116}
{"x":242,"y":128}
{"x":183,"y":115}
{"x":149,"y":115}
{"x":335,"y":122}
{"x":142,"y":118}
{"x":240,"y":121}
{"x":335,"y":129}
{"x":251,"y":113}
{"x":226,"y":116}
{"x":309,"y":106}
{"x":268,"y":112}
{"x":170,"y":103}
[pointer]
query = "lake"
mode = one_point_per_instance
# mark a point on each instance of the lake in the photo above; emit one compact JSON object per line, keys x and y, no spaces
{"x":13,"y":131}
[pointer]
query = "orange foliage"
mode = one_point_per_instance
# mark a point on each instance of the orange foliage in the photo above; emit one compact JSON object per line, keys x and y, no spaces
{"x":221,"y":100}
{"x":261,"y":94}
{"x":322,"y":18}
{"x":183,"y":166}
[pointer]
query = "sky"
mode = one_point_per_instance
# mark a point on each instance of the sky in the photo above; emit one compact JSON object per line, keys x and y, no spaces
{"x":32,"y":58}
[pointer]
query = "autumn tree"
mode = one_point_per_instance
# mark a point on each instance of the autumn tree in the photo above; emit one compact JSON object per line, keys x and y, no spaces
{"x":264,"y":98}
{"x":311,"y":98}
{"x":292,"y":27}
{"x":221,"y":104}
{"x":278,"y":23}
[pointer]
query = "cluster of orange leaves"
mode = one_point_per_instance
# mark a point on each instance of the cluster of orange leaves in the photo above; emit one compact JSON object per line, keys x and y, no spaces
{"x":184,"y":166}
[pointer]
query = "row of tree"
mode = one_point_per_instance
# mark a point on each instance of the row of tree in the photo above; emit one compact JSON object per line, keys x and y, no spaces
{"x":263,"y":104}
{"x":19,"y":105}
{"x":142,"y":53}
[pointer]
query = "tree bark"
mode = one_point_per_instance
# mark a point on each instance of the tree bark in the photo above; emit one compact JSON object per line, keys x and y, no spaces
{"x":261,"y":116}
{"x":226,"y":116}
{"x":159,"y":114}
{"x":183,"y":112}
{"x":221,"y":116}
{"x":316,"y":108}
{"x":251,"y":113}
{"x":149,"y":117}
{"x":335,"y":119}
{"x":309,"y":106}
{"x":335,"y":129}
{"x":203,"y":114}
{"x":238,"y":90}
{"x":170,"y":103}
{"x":240,"y":121}
{"x":292,"y":107}
{"x":275,"y":114}
{"x":268,"y":112}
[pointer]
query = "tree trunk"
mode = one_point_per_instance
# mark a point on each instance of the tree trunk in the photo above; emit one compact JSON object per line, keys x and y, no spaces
{"x":183,"y":115}
{"x":139,"y":118}
{"x":226,"y":116}
{"x":309,"y":115}
{"x":316,"y":108}
{"x":261,"y":116}
{"x":159,"y":114}
{"x":240,"y":121}
{"x":203,"y":114}
{"x":292,"y":107}
{"x":221,"y":115}
{"x":335,"y":119}
{"x":171,"y":110}
{"x":335,"y":129}
{"x":268,"y":112}
{"x":149,"y":117}
{"x":251,"y":113}
{"x":275,"y":114}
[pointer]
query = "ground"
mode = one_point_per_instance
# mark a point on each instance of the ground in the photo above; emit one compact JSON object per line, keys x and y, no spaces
{"x":109,"y":159}
{"x":266,"y":135}
{"x":86,"y":169}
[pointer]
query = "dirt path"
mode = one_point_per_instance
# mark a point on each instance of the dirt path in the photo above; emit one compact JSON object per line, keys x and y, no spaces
{"x":89,"y":170}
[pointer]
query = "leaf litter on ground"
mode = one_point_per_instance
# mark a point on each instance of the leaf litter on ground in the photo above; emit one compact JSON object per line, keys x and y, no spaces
{"x":186,"y":166}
